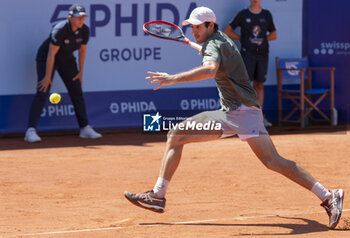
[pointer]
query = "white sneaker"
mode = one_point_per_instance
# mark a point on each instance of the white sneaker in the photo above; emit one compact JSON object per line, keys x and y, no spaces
{"x":334,"y":206}
{"x":267,"y":123}
{"x":89,"y":133}
{"x":31,"y":135}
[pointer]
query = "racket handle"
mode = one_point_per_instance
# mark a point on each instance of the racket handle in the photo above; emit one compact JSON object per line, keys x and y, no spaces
{"x":195,"y":45}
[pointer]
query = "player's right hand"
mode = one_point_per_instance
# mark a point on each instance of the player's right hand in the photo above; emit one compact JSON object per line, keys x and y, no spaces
{"x":44,"y":84}
{"x":162,"y":78}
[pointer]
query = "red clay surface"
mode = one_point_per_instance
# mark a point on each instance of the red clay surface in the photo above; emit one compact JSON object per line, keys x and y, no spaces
{"x":69,"y":187}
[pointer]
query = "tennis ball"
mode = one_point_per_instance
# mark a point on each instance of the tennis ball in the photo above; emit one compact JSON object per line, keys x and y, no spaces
{"x":55,"y":98}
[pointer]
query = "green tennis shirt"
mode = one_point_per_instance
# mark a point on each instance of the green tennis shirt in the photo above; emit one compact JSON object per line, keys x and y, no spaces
{"x":232,"y":79}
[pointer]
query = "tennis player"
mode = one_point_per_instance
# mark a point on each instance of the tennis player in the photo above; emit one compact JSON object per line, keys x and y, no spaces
{"x":240,"y":114}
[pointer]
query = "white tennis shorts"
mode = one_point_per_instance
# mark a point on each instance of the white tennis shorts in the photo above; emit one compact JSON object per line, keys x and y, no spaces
{"x":246,"y":122}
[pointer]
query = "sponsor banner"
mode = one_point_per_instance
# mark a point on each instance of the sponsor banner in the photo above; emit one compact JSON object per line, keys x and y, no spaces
{"x":332,"y":48}
{"x":118,"y":109}
{"x":118,"y":56}
{"x":119,"y":53}
{"x":329,"y":46}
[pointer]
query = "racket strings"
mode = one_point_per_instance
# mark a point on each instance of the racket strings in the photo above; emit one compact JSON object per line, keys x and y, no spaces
{"x":164,"y":30}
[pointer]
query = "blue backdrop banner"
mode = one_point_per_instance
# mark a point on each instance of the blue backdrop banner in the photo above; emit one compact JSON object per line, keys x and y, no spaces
{"x":329,"y":46}
{"x":114,"y":109}
{"x":118,"y":56}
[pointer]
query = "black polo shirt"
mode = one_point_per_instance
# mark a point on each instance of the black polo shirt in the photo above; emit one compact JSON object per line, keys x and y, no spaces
{"x":254,"y":28}
{"x":63,"y":36}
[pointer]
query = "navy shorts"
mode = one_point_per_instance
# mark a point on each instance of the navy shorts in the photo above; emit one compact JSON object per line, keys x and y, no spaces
{"x":256,"y":66}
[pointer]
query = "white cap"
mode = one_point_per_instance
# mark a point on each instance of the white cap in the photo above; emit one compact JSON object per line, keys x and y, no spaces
{"x":200,"y":15}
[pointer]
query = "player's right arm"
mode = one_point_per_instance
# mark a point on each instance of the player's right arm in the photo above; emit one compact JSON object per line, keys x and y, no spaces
{"x":230,"y":33}
{"x":207,"y":70}
{"x":50,"y":61}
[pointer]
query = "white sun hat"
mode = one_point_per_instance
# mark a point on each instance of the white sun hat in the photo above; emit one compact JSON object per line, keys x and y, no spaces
{"x":200,"y":15}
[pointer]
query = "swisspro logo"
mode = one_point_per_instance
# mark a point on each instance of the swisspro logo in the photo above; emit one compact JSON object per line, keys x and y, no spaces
{"x":333,"y":48}
{"x":151,"y":122}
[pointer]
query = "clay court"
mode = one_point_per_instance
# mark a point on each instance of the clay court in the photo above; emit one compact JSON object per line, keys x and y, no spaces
{"x":69,"y":187}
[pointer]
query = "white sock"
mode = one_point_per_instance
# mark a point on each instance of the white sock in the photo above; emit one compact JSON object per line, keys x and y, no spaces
{"x":161,"y":187}
{"x":321,"y":192}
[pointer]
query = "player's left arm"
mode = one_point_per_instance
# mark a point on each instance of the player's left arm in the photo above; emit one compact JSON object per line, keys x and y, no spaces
{"x":271,"y":28}
{"x":272,"y":36}
{"x":82,"y":54}
{"x":207,"y":70}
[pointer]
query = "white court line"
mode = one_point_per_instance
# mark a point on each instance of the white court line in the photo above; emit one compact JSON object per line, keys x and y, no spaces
{"x":72,"y":231}
{"x":171,"y":223}
{"x":83,"y":230}
{"x":186,"y":222}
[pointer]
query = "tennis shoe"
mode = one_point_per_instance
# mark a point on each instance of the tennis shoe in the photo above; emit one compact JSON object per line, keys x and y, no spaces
{"x":334,"y":206}
{"x":147,"y":200}
{"x":88,"y":132}
{"x":31,"y":136}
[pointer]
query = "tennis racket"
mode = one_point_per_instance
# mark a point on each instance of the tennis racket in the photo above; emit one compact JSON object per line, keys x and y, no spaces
{"x":168,"y":31}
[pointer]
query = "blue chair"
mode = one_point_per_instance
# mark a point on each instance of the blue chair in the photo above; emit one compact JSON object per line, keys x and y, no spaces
{"x":294,"y":82}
